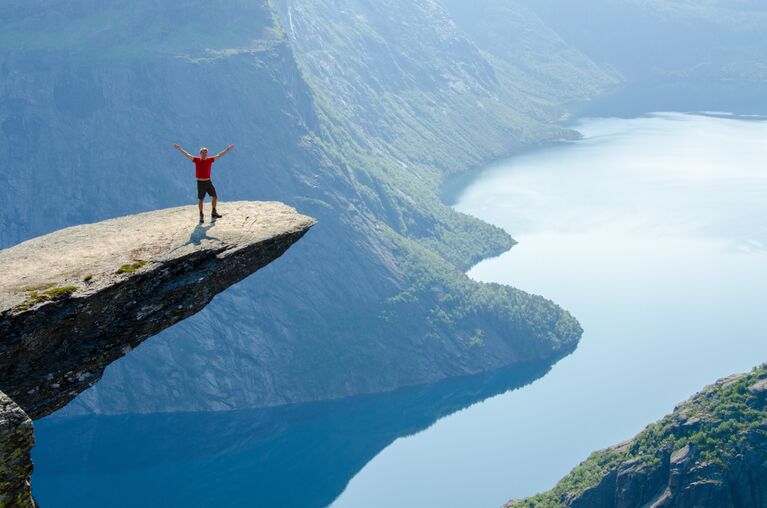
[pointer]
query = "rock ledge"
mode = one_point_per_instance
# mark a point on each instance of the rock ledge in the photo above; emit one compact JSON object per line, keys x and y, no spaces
{"x":73,"y":301}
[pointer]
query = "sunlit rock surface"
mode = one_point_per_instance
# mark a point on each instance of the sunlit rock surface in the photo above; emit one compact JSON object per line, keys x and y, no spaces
{"x":73,"y":301}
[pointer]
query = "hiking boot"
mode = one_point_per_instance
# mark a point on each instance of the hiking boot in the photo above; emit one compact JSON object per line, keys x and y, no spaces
{"x":202,"y":219}
{"x":215,"y":215}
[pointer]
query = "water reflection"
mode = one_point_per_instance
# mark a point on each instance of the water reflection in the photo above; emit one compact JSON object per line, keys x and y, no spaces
{"x":300,"y":456}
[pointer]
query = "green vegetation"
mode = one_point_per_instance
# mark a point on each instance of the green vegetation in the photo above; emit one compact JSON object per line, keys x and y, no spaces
{"x":716,"y":422}
{"x":454,"y":304}
{"x":401,"y":121}
{"x":88,"y":277}
{"x":133,"y":266}
{"x":56,"y":293}
{"x":51,"y":294}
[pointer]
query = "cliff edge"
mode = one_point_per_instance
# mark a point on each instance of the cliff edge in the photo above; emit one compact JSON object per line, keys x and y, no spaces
{"x":74,"y":301}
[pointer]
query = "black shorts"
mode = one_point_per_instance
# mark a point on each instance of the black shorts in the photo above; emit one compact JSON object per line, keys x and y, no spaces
{"x":203,"y":187}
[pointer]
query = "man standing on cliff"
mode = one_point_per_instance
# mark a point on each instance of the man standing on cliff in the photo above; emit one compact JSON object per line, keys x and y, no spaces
{"x":203,"y":164}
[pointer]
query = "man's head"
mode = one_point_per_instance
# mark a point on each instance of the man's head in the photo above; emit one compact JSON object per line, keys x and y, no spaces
{"x":203,"y":152}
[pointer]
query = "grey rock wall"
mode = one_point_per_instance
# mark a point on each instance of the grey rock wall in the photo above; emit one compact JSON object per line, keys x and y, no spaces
{"x":16,"y":442}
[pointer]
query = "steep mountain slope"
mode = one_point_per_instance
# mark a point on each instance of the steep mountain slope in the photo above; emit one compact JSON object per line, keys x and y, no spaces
{"x":404,"y":80}
{"x":514,"y":35}
{"x":375,"y":298}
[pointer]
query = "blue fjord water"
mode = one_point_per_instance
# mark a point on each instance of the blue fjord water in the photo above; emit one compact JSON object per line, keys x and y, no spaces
{"x":651,"y":230}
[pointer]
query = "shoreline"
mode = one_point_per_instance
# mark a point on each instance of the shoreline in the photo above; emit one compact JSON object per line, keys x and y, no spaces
{"x":631,"y":100}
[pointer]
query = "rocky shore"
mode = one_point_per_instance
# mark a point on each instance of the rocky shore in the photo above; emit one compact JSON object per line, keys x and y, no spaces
{"x":710,"y":452}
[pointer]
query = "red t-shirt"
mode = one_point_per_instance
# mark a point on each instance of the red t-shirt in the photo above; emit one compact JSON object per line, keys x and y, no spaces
{"x":202,"y":167}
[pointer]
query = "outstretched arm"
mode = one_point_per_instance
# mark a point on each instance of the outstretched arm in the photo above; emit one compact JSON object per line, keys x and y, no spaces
{"x":186,"y":154}
{"x":224,"y":151}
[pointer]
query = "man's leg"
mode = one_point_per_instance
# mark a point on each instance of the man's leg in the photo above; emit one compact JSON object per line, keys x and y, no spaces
{"x":214,"y":200}
{"x":200,"y":198}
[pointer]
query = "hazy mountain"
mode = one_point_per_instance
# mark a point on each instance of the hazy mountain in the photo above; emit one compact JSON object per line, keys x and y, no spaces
{"x":662,"y":39}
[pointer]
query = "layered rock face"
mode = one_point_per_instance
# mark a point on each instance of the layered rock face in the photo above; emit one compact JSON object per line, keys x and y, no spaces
{"x":73,"y":301}
{"x":710,"y":452}
{"x":16,"y":442}
{"x":684,"y":478}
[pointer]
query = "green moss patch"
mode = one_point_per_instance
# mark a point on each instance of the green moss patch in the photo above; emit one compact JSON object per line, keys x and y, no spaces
{"x":56,"y":293}
{"x":88,"y":277}
{"x":51,"y":294}
{"x":39,"y":287}
{"x":133,"y":266}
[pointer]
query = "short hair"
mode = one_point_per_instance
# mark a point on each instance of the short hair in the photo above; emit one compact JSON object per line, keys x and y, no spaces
{"x":203,"y":148}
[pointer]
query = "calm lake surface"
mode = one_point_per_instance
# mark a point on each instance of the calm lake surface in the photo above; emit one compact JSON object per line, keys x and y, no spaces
{"x":652,"y":231}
